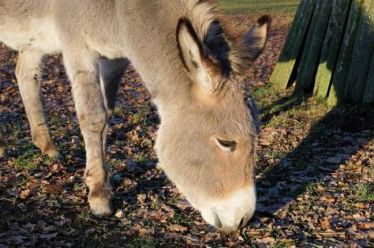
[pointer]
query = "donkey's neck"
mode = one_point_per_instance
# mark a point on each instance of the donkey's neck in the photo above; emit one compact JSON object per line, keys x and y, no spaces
{"x":152,"y":48}
{"x":165,"y":79}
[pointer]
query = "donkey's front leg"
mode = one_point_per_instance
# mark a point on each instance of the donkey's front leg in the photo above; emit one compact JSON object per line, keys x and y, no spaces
{"x":27,"y":69}
{"x":89,"y":103}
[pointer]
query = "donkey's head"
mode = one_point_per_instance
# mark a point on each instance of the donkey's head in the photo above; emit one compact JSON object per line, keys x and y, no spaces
{"x":206,"y":143}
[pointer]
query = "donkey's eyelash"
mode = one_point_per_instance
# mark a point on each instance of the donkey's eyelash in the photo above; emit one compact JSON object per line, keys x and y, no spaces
{"x":228,"y":144}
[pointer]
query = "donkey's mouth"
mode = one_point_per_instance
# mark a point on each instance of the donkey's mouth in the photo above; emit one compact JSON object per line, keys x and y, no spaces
{"x":231,"y":213}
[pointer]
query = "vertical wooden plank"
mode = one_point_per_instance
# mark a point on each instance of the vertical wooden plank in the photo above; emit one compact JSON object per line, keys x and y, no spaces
{"x":313,"y":47}
{"x":330,"y":47}
{"x":293,"y":44}
{"x":369,"y":88}
{"x":342,"y":67}
{"x":361,"y":58}
{"x":368,"y":97}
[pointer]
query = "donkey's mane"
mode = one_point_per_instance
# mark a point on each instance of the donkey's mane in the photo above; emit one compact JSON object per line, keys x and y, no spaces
{"x":207,"y":22}
{"x":201,"y":13}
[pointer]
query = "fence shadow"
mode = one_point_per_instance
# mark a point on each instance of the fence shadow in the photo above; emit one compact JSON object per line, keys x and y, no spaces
{"x":347,"y":61}
{"x":332,"y":141}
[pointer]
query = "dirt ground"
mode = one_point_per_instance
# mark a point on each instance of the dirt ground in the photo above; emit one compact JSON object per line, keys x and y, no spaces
{"x":315,"y":170}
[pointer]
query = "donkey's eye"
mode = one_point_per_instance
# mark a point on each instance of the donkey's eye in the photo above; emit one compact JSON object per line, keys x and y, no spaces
{"x":227,"y":145}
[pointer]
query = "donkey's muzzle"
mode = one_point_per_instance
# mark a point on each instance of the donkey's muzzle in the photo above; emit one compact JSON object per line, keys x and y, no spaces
{"x":233,"y":212}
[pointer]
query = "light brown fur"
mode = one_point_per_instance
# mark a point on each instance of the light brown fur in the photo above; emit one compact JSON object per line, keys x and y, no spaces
{"x":198,"y":105}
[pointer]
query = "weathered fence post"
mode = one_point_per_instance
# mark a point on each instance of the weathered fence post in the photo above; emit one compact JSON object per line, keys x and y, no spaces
{"x":294,"y":43}
{"x":329,"y":51}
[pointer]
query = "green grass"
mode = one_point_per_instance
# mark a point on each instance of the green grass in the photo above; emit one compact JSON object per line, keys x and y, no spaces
{"x":314,"y":188}
{"x":365,"y":192}
{"x":143,"y":242}
{"x":30,"y":159}
{"x":141,"y":158}
{"x":115,"y":163}
{"x":119,"y":143}
{"x":26,"y":161}
{"x":140,"y":117}
{"x":183,"y":220}
{"x":283,"y":244}
{"x":259,"y":6}
{"x":22,"y":163}
{"x":117,"y":110}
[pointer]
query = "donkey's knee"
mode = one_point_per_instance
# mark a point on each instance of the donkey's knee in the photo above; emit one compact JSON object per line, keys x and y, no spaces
{"x":89,"y":104}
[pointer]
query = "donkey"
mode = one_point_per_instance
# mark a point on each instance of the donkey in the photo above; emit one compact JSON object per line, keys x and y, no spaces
{"x":207,"y":136}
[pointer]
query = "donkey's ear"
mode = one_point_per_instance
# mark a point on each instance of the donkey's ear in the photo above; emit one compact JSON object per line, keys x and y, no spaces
{"x":255,"y":38}
{"x":201,"y":68}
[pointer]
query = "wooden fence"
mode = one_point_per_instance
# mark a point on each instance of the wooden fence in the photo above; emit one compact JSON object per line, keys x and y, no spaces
{"x":329,"y":52}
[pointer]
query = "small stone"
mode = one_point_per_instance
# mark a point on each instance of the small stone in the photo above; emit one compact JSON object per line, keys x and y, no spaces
{"x":38,"y":175}
{"x":74,"y":139}
{"x":73,"y":179}
{"x":119,"y":214}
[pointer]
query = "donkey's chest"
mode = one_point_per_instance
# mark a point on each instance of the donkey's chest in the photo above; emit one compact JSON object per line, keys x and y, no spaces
{"x":38,"y":36}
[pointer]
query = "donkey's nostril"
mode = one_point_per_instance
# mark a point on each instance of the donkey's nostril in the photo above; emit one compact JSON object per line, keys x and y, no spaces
{"x":233,"y":212}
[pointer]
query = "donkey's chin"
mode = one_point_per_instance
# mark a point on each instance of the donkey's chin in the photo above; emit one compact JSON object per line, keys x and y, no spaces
{"x":233,"y":212}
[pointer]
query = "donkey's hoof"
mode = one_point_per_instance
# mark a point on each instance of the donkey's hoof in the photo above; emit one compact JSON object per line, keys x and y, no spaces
{"x":101,"y":209}
{"x":45,"y":145}
{"x":100,"y":202}
{"x":52,"y":153}
{"x":50,"y":150}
